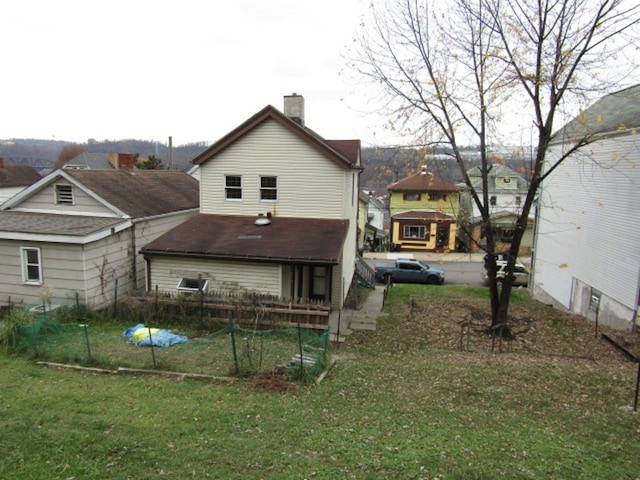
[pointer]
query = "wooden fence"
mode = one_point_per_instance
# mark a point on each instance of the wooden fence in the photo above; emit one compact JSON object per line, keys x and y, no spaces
{"x":246,"y":308}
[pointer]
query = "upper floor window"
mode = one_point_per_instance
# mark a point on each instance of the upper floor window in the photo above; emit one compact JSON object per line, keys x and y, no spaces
{"x":436,"y":197}
{"x":31,"y":265}
{"x":64,"y":194}
{"x":493,"y":200}
{"x":233,"y":187}
{"x":268,"y":188}
{"x":411,"y":197}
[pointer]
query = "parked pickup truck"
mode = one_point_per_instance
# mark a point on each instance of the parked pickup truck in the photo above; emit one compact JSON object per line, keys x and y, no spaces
{"x":409,"y":270}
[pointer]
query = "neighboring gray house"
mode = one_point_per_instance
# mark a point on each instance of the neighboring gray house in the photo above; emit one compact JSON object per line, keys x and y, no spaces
{"x":100,"y":161}
{"x":14,"y":178}
{"x":78,"y":232}
{"x":587,"y":246}
{"x":507,"y":189}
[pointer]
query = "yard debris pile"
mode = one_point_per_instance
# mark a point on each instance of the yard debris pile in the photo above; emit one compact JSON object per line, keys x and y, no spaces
{"x":143,"y":336}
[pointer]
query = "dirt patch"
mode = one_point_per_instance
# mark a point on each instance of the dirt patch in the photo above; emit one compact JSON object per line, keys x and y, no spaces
{"x":463,"y":324}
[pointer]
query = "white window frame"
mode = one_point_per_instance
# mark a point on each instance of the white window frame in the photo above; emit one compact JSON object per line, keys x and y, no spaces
{"x":190,"y":285}
{"x":228,"y":188}
{"x":268,"y":189}
{"x":64,"y":194}
{"x":407,"y":228}
{"x":26,"y":264}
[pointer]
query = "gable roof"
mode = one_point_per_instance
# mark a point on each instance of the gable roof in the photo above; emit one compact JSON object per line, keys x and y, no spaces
{"x":616,"y":113}
{"x":134,"y":194}
{"x":142,"y":193}
{"x":17,"y":175}
{"x":235,"y":237}
{"x":345,"y":153}
{"x":422,"y":182}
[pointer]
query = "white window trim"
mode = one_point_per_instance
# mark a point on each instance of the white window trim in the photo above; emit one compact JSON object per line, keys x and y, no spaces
{"x":23,"y":261}
{"x":419,"y":227}
{"x":275,"y":189}
{"x":226,"y":187}
{"x":184,"y":281}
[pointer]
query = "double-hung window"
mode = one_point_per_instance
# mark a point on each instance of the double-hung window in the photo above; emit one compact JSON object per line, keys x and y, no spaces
{"x":269,"y":188}
{"x":233,"y":187}
{"x":31,"y":265}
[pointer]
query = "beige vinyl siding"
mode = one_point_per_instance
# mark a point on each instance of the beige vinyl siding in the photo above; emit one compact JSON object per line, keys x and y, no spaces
{"x":147,"y":231}
{"x":45,"y":199}
{"x":224,"y":276}
{"x":309,"y":185}
{"x":7,"y":192}
{"x":588,"y":228}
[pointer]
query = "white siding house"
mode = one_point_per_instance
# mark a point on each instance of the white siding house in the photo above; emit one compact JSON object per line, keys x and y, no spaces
{"x":77,"y":233}
{"x":587,"y":250}
{"x":278,"y":213}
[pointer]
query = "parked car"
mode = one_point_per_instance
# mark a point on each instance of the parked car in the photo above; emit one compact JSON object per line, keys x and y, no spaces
{"x":409,"y":270}
{"x":520,"y":274}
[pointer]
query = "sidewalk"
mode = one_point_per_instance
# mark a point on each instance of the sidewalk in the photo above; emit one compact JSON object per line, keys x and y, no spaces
{"x":343,"y":323}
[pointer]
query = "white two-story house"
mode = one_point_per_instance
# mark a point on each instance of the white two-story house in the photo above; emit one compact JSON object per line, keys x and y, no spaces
{"x":587,"y":247}
{"x":278,"y":214}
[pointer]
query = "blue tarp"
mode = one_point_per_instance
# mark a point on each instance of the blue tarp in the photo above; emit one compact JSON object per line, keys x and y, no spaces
{"x":143,"y":336}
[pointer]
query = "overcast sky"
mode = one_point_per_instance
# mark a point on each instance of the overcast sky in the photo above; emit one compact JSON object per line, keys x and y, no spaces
{"x":193,"y":70}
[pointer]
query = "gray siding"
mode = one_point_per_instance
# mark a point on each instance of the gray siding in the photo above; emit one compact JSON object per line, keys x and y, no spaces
{"x":45,"y":199}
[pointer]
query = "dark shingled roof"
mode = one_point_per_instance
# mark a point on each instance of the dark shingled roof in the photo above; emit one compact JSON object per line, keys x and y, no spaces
{"x":284,"y":239}
{"x":142,"y":193}
{"x":17,"y":175}
{"x":419,"y":182}
{"x":618,"y":112}
{"x":54,"y":224}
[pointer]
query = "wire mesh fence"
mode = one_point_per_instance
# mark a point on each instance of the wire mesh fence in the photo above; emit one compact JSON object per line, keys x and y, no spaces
{"x":211,"y":346}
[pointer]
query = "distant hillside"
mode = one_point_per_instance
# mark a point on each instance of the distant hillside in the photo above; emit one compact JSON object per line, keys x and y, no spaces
{"x":42,"y":154}
{"x":382,"y":166}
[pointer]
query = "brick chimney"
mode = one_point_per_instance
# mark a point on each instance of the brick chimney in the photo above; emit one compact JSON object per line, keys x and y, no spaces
{"x":121,"y":160}
{"x":294,"y":107}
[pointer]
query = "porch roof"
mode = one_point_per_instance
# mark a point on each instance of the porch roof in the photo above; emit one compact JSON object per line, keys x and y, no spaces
{"x":234,"y":237}
{"x":427,"y":215}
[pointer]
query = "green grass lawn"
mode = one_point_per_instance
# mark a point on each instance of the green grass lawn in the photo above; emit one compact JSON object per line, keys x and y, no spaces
{"x":396,"y":409}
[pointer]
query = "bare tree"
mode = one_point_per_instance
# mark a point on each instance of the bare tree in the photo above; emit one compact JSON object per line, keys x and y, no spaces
{"x":466,"y":72}
{"x":67,"y":153}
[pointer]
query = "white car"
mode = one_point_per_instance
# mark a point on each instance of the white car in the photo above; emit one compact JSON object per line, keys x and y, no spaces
{"x":520,"y":274}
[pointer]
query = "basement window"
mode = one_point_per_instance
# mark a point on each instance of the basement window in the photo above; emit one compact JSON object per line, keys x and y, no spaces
{"x":193,"y":285}
{"x":64,"y":195}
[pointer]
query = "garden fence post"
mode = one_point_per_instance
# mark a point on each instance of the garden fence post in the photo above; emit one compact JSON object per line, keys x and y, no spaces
{"x":153,"y":354}
{"x":233,"y":342}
